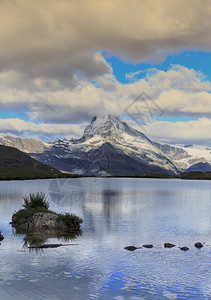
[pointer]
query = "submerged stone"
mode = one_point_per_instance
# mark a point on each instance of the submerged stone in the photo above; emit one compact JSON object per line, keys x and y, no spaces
{"x":148,"y":246}
{"x":184,"y":248}
{"x":1,"y":237}
{"x":169,"y":245}
{"x":198,"y":245}
{"x":130,"y":248}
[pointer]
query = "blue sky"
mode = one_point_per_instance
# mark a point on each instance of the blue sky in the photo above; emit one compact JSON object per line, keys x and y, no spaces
{"x":62,"y":62}
{"x":198,"y":60}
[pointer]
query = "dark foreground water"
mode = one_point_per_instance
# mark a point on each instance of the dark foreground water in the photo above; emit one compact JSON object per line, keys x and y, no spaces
{"x":116,"y":213}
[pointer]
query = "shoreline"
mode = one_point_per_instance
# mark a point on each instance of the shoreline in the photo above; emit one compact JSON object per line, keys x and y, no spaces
{"x":194,"y":175}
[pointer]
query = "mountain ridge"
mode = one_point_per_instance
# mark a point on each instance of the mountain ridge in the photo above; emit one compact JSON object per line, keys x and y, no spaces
{"x":16,"y":164}
{"x":109,"y":146}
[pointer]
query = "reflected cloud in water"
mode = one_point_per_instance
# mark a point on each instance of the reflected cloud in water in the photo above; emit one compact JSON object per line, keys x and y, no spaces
{"x":116,"y":213}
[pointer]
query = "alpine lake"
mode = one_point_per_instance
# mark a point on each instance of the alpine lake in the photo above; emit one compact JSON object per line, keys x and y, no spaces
{"x":116,"y":212}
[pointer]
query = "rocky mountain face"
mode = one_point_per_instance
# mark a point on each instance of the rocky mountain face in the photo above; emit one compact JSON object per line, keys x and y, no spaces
{"x":110,"y":146}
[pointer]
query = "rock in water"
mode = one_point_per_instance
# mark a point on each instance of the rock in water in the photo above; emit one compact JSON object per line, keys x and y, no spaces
{"x":45,"y":220}
{"x":169,"y":245}
{"x":198,"y":245}
{"x":148,"y":246}
{"x":184,"y":248}
{"x":1,"y":237}
{"x":130,"y":248}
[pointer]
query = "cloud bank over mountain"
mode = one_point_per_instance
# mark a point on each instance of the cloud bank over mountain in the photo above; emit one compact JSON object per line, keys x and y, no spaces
{"x":57,"y":39}
{"x":178,"y":91}
{"x":53,"y":65}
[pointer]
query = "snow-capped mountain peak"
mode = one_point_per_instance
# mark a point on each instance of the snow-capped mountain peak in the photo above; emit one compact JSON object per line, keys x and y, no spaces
{"x":110,"y":146}
{"x":108,"y":126}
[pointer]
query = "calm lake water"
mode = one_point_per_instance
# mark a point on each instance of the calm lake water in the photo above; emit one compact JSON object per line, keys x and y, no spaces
{"x":116,"y":213}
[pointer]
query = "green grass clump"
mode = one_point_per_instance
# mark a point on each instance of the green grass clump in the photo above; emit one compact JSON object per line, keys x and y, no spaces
{"x":70,"y":220}
{"x":35,"y":201}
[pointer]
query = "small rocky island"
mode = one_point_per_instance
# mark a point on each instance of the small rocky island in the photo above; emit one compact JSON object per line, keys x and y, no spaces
{"x":35,"y":215}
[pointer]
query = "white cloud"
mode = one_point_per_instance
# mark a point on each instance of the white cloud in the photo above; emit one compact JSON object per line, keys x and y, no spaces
{"x":54,"y":131}
{"x":57,"y":40}
{"x":196,"y":131}
{"x":176,"y":102}
{"x":132,"y":75}
{"x":51,"y":51}
{"x":177,"y":91}
{"x":193,"y":131}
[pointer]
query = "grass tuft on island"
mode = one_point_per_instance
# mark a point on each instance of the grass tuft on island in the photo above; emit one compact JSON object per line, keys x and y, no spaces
{"x":36,"y":213}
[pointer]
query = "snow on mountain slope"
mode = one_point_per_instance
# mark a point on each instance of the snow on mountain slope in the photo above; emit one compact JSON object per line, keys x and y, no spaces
{"x":109,"y":129}
{"x":108,"y":146}
{"x":185,"y":156}
{"x":108,"y":126}
{"x":27,"y":145}
{"x":199,"y":151}
{"x":111,"y":146}
{"x":196,"y":154}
